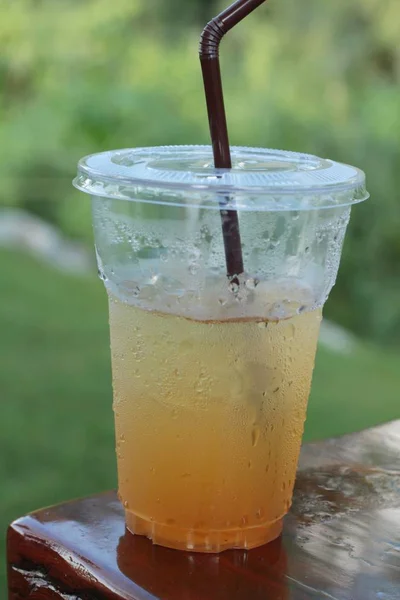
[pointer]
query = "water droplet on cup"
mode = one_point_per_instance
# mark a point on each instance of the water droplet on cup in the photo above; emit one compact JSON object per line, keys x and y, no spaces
{"x":234,"y":287}
{"x":101,"y":275}
{"x":255,"y":435}
{"x":252,"y":283}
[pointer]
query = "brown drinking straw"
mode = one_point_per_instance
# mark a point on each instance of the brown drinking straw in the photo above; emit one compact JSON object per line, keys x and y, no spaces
{"x":210,"y":40}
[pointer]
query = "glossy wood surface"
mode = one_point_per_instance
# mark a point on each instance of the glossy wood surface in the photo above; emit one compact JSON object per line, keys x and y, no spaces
{"x":341,"y":541}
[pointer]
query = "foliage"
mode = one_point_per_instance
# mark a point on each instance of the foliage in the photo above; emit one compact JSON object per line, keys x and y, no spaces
{"x":79,"y":77}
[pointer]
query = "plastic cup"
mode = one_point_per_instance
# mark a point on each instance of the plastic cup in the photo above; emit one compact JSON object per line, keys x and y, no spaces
{"x":211,"y":376}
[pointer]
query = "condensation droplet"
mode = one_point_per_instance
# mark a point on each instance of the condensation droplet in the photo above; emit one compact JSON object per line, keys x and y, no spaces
{"x":102,"y":275}
{"x":234,"y":287}
{"x":255,"y":435}
{"x":260,"y":513}
{"x":252,"y":283}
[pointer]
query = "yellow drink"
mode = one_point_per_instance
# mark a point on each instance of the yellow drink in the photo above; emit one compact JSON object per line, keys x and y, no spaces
{"x":209,"y":419}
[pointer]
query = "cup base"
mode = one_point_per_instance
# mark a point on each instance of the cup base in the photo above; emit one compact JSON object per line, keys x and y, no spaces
{"x":194,"y":540}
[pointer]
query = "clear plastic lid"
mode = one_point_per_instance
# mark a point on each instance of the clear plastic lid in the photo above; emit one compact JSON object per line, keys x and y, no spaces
{"x":260,"y":179}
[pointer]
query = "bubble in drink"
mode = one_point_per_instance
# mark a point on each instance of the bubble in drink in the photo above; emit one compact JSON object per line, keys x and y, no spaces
{"x":212,"y":415}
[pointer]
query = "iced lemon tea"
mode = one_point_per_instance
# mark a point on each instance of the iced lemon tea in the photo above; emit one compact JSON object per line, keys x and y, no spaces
{"x":212,"y":370}
{"x":209,"y":418}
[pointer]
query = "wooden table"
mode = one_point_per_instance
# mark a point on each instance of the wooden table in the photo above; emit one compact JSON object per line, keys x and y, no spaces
{"x":341,"y":541}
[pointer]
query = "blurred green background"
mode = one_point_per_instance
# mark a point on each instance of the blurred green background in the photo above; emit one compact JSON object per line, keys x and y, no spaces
{"x":83,"y":76}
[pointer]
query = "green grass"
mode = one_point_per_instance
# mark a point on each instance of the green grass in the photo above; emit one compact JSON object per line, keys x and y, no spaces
{"x":56,"y":427}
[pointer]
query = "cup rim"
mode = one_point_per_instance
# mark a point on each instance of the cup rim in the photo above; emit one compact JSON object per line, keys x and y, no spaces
{"x":261,"y":179}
